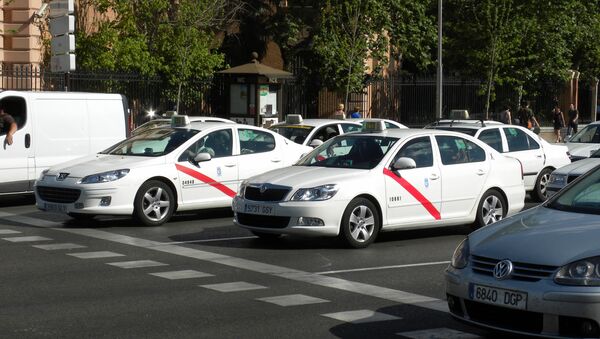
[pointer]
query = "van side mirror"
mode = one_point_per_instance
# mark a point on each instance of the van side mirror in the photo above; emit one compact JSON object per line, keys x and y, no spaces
{"x":404,"y":163}
{"x":316,"y":143}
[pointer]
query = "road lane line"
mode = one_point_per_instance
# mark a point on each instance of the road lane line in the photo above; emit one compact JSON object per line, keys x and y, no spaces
{"x":22,"y":219}
{"x":137,"y":264}
{"x":53,"y":247}
{"x":9,"y":232}
{"x":259,"y":267}
{"x":237,"y":286}
{"x":435,"y":333}
{"x":207,"y":240}
{"x":184,"y":274}
{"x":96,"y":255}
{"x":26,"y":239}
{"x":293,"y":300}
{"x":386,"y":267}
{"x":360,"y":316}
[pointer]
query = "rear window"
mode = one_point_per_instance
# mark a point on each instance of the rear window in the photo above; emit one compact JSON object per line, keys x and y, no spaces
{"x":469,"y":131}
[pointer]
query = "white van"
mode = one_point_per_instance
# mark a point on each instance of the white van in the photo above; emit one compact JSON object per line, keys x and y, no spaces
{"x":54,"y":127}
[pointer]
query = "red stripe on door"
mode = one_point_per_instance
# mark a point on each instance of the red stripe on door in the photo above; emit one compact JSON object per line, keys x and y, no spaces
{"x":415,"y":193}
{"x":208,"y":180}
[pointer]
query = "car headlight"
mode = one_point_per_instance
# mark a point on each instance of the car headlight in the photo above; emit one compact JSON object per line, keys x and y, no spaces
{"x":585,"y":272}
{"x":43,"y":174}
{"x":104,"y":177}
{"x":242,"y":189}
{"x":318,"y":193}
{"x":556,"y":179}
{"x":460,"y":258}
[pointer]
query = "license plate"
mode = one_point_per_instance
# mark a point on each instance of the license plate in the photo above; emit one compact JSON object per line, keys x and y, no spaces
{"x":498,"y":296}
{"x":258,"y":209}
{"x":55,"y":207}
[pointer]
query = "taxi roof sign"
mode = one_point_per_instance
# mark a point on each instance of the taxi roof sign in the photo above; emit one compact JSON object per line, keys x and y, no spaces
{"x":180,"y":120}
{"x":293,"y":119}
{"x":373,"y":125}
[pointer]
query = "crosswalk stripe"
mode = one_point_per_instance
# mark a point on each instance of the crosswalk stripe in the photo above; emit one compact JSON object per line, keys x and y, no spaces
{"x":237,"y":286}
{"x":137,"y":264}
{"x":361,"y":316}
{"x":27,"y":239}
{"x":293,"y":300}
{"x":9,"y":232}
{"x":64,"y":246}
{"x":96,"y":255}
{"x":185,"y":274}
{"x":439,"y":333}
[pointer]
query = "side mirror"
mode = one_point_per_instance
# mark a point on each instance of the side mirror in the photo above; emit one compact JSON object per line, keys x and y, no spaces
{"x":201,"y":157}
{"x":404,"y":163}
{"x":316,"y":143}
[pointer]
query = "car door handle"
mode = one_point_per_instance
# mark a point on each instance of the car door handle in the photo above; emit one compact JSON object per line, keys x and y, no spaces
{"x":434,"y":176}
{"x":539,"y":156}
{"x":275,"y":160}
{"x":229,"y":165}
{"x":480,"y":172}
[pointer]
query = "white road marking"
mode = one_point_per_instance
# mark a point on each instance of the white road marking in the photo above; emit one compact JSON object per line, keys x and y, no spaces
{"x":185,"y":274}
{"x":207,"y":240}
{"x":96,"y":255}
{"x":279,"y":271}
{"x":237,"y":286}
{"x":439,"y":333}
{"x":9,"y":232}
{"x":137,"y":264}
{"x":65,"y":246}
{"x":28,"y":220}
{"x":360,"y":316}
{"x":27,"y":239}
{"x":386,"y":267}
{"x":293,"y":300}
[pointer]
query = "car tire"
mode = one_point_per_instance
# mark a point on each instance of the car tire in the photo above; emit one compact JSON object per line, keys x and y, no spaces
{"x":360,"y":223}
{"x":540,"y":191}
{"x":491,"y":208}
{"x":81,"y":216}
{"x":154,"y":203}
{"x":266,"y":236}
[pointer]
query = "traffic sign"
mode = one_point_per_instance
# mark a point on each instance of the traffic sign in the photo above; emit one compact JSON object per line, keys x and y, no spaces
{"x":62,"y":63}
{"x":62,"y":25}
{"x":63,"y":44}
{"x":61,"y":7}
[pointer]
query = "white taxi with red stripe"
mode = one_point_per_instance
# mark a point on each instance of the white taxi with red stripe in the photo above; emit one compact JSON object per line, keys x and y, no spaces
{"x":357,"y":184}
{"x":159,"y":171}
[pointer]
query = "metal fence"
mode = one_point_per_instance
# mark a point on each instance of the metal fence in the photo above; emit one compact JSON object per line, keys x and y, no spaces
{"x":408,"y":100}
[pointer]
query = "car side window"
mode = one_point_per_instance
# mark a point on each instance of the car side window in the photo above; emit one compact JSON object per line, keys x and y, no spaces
{"x":253,"y":141}
{"x":347,"y":128}
{"x":533,"y":144}
{"x":492,"y":137}
{"x":456,"y":150}
{"x":517,"y":140}
{"x":326,"y":132}
{"x":418,"y":149}
{"x":388,"y":125}
{"x":218,"y":144}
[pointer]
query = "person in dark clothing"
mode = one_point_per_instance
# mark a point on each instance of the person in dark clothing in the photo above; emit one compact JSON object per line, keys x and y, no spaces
{"x":526,"y":117}
{"x":8,"y":126}
{"x":505,"y":116}
{"x":573,"y":120}
{"x":558,"y":122}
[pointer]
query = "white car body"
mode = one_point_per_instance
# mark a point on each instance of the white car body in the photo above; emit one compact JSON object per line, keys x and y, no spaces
{"x":315,"y":129}
{"x":208,"y":183}
{"x":539,"y":157}
{"x":585,"y":142}
{"x":389,"y":124}
{"x":430,"y":195}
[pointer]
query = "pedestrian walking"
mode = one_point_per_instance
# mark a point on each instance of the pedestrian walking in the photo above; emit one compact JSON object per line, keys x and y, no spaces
{"x":558,"y":122}
{"x":505,"y":115}
{"x":356,"y":113}
{"x":339,"y":112}
{"x":573,"y":120}
{"x":526,"y":117}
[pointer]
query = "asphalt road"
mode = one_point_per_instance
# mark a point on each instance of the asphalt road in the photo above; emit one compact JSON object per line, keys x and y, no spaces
{"x":199,"y":276}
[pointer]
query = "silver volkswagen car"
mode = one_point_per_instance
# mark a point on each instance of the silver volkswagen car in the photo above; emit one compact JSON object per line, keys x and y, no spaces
{"x":537,"y":272}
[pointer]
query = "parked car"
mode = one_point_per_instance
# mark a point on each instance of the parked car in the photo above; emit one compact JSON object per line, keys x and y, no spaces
{"x":562,"y":176}
{"x":537,"y":272}
{"x":389,"y":124}
{"x":166,"y":122}
{"x":539,"y":157}
{"x":357,"y":184}
{"x":585,"y":142}
{"x":313,"y":132}
{"x":151,"y":175}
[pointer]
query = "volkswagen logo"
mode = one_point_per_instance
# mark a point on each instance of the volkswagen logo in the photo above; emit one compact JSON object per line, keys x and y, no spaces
{"x":62,"y":176}
{"x":503,"y":269}
{"x":263,"y":188}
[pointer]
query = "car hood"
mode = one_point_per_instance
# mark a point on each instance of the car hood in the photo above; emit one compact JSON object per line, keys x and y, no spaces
{"x":305,"y":176}
{"x":579,"y":167}
{"x":541,"y":236}
{"x":582,"y":149}
{"x":101,"y":163}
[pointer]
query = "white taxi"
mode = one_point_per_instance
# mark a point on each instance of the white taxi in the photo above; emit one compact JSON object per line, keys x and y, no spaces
{"x":356,"y":184}
{"x":313,"y":132}
{"x":166,"y":122}
{"x":151,"y":175}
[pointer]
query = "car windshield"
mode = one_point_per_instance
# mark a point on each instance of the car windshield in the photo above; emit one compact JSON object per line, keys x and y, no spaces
{"x":152,"y":143}
{"x":150,"y":125}
{"x":296,"y":133}
{"x":349,"y":151}
{"x":582,"y":197}
{"x":469,"y":131}
{"x":590,"y":134}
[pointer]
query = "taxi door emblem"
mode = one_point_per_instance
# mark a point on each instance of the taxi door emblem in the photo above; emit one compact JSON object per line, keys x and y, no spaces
{"x":62,"y":176}
{"x":503,"y":269}
{"x":219,"y":172}
{"x":426,"y":182}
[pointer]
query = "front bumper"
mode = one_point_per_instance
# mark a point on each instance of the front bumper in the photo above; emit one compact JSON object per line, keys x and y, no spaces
{"x":552,"y":310}
{"x":284,"y":219}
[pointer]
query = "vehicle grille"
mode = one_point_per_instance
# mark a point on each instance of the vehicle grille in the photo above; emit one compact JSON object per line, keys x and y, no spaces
{"x":58,"y":195}
{"x":270,"y":194}
{"x":521,"y":271}
{"x":265,"y":221}
{"x":507,"y":318}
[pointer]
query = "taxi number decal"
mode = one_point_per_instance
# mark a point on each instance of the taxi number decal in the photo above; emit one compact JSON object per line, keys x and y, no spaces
{"x":207,"y":180}
{"x":415,"y":193}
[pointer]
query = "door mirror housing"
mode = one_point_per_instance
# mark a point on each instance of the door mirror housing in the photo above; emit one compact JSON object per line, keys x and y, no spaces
{"x":201,"y":157}
{"x":404,"y":163}
{"x":316,"y":143}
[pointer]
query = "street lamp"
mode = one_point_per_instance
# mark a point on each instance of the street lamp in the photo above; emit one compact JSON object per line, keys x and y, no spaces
{"x":438,"y":99}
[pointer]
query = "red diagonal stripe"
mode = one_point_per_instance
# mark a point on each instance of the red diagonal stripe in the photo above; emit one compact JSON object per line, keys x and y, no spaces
{"x":208,"y":180}
{"x":415,"y":193}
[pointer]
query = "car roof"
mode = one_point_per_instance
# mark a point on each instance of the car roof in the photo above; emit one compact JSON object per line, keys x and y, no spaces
{"x":316,"y":122}
{"x":408,"y":132}
{"x":469,"y":123}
